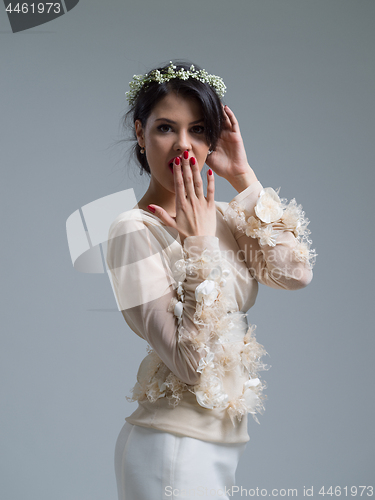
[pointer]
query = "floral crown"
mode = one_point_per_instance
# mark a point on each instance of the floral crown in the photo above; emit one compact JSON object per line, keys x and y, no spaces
{"x":139,"y":81}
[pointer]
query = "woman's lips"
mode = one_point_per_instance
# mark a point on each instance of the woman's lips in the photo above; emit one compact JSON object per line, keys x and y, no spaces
{"x":170,"y":164}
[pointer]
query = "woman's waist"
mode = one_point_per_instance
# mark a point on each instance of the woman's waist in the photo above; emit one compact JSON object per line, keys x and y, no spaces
{"x":188,"y":418}
{"x":225,"y":349}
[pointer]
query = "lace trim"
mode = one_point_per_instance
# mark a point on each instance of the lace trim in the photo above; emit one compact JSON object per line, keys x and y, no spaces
{"x":272,"y":216}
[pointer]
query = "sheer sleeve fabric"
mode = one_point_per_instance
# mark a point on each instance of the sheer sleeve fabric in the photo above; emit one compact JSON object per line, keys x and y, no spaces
{"x":273,"y":237}
{"x":146,"y":276}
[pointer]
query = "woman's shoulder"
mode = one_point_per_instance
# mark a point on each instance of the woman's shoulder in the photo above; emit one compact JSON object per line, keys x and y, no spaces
{"x":133,"y":220}
{"x":137,"y":228}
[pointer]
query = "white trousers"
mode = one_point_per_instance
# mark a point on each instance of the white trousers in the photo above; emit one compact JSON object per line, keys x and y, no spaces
{"x":156,"y":465}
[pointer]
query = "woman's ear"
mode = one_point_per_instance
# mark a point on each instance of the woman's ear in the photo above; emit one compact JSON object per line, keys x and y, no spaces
{"x":139,"y":133}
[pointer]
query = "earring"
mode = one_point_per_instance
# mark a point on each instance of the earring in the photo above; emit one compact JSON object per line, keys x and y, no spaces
{"x":142,"y":151}
{"x":210,"y":151}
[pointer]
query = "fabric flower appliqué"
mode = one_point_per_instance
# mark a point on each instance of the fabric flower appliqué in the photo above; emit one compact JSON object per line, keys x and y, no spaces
{"x":268,"y":208}
{"x":268,"y":236}
{"x":253,"y":227}
{"x":179,"y":270}
{"x":250,"y":397}
{"x":249,"y":402}
{"x":273,"y":215}
{"x":207,"y":292}
{"x":210,"y":394}
{"x":302,"y":253}
{"x":206,"y":363}
{"x":222,"y":338}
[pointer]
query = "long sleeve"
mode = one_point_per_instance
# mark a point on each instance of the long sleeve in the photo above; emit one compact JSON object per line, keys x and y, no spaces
{"x":273,"y":237}
{"x":148,"y":281}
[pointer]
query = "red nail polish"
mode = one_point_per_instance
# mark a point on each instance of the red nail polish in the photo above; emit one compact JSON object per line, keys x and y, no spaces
{"x":186,"y":155}
{"x":192,"y":160}
{"x":209,"y":171}
{"x":177,"y":160}
{"x":152,"y":209}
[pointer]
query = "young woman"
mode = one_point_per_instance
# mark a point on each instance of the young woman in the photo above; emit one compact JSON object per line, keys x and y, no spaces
{"x":185,"y":271}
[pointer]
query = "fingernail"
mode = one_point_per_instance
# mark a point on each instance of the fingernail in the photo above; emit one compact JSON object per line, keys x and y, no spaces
{"x":152,"y":209}
{"x":186,"y":155}
{"x":209,"y":171}
{"x":177,"y":160}
{"x":192,"y":160}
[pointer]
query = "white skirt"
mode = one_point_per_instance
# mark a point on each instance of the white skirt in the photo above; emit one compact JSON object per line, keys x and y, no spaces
{"x":157,"y":465}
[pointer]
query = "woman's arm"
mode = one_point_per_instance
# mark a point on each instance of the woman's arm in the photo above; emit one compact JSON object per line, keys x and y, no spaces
{"x":145,"y":283}
{"x":272,"y":234}
{"x":273,"y":237}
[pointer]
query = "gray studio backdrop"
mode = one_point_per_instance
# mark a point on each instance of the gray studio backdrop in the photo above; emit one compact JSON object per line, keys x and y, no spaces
{"x":300,"y":77}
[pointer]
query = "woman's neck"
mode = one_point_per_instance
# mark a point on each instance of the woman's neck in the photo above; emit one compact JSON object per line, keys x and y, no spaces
{"x":160,"y":197}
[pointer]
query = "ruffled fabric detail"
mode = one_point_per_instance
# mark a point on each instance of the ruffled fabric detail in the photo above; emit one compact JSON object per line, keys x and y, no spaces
{"x":272,"y":216}
{"x":158,"y":382}
{"x":226,"y":353}
{"x":225,"y":342}
{"x":249,"y":402}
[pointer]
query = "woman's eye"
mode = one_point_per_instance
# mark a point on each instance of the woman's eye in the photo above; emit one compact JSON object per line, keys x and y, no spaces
{"x":164,"y":128}
{"x":198,"y":129}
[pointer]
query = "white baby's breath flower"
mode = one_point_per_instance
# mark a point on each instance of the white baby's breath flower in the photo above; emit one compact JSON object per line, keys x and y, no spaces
{"x":169,"y":73}
{"x":268,"y":208}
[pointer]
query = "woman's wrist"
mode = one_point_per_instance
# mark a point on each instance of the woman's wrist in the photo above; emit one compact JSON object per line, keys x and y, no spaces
{"x":242,"y":181}
{"x":198,"y":238}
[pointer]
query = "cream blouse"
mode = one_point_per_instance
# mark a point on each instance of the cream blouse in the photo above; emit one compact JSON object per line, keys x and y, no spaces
{"x":200,"y":378}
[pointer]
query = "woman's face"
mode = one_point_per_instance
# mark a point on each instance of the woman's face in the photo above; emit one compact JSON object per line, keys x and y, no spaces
{"x":175,"y":125}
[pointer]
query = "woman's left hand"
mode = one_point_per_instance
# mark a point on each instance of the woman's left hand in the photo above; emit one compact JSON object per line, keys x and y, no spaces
{"x":229,"y":159}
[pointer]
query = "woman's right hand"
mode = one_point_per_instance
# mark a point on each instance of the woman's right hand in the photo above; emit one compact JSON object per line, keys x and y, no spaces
{"x":195,"y":213}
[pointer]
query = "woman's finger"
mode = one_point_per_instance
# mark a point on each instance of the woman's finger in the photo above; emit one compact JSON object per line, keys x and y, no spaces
{"x":178,"y":183}
{"x":232,"y":119}
{"x":188,"y":176}
{"x":197,"y":179}
{"x":210,"y":187}
{"x":227,"y":122}
{"x":163,"y":215}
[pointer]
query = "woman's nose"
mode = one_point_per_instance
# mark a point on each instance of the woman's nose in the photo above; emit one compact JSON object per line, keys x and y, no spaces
{"x":182,"y":142}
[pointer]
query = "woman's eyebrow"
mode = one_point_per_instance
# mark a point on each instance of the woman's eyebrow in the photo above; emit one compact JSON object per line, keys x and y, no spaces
{"x":171,"y":121}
